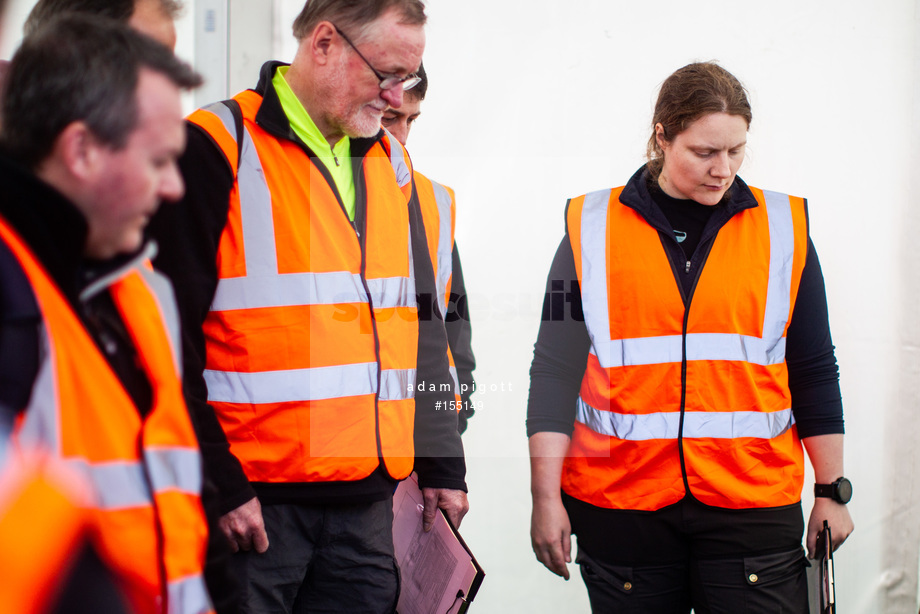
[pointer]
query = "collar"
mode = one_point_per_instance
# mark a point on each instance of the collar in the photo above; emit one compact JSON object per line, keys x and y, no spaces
{"x":636,"y":196}
{"x":56,"y":232}
{"x":271,"y":117}
{"x":304,"y":125}
{"x":51,"y":225}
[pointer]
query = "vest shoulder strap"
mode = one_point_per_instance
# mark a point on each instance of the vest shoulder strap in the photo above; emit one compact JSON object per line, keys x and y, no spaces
{"x":237,"y":114}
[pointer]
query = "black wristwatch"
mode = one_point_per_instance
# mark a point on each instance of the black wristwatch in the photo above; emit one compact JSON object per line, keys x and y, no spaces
{"x":841,"y":490}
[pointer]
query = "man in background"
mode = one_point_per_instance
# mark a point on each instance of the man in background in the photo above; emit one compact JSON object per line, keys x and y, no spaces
{"x":439,"y":213}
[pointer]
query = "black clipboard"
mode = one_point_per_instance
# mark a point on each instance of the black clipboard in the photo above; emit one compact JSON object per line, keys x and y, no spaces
{"x":824,"y":551}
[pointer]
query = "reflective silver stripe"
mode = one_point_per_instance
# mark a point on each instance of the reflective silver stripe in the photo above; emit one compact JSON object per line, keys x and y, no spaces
{"x":392,"y":292}
{"x":288,"y":290}
{"x":308,"y":384}
{"x":612,"y":353}
{"x":292,"y":385}
{"x":224,"y":114}
{"x":398,"y":160}
{"x":641,"y":351}
{"x":454,"y":376}
{"x":700,"y":346}
{"x":162,"y":291}
{"x":666,"y":425}
{"x":40,"y":425}
{"x":255,"y":200}
{"x":256,"y":212}
{"x":715,"y":346}
{"x":149,"y":252}
{"x":7,"y":416}
{"x":445,"y":244}
{"x":594,"y":270}
{"x":188,"y":596}
{"x":292,"y":289}
{"x":782,"y":252}
{"x":397,"y":384}
{"x":174,"y":469}
{"x":116,"y":485}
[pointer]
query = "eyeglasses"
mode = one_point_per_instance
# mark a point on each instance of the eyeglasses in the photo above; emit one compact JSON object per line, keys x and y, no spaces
{"x":386,"y":82}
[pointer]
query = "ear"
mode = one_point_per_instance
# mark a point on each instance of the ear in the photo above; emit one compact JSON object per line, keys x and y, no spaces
{"x":323,"y":42}
{"x":78,"y":149}
{"x":659,"y":137}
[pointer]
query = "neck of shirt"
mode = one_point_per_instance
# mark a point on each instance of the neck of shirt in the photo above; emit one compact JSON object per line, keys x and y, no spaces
{"x":687,"y":217}
{"x":336,"y":158}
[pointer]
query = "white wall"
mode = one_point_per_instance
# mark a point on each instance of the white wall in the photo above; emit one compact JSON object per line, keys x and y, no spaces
{"x":532,"y":102}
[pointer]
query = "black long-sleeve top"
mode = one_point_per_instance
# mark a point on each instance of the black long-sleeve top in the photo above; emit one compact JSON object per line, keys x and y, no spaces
{"x":460,"y":338}
{"x":561,"y":351}
{"x":189,"y":234}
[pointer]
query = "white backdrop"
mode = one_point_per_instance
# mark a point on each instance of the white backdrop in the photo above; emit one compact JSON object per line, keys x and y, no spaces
{"x":532,"y":102}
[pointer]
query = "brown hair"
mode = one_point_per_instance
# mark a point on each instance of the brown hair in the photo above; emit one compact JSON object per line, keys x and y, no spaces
{"x":688,"y":94}
{"x":352,"y":16}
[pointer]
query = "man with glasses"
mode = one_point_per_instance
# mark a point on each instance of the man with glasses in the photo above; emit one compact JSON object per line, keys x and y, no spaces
{"x":297,"y":255}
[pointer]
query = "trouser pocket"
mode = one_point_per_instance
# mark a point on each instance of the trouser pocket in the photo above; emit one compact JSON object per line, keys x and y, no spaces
{"x":659,"y":589}
{"x":764,"y":584}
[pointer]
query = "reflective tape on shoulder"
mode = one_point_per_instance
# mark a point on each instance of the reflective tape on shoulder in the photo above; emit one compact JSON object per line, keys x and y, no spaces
{"x":782,"y":254}
{"x":594,"y":268}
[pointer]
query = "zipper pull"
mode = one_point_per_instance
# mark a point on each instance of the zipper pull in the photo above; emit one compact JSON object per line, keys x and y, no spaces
{"x":687,"y":269}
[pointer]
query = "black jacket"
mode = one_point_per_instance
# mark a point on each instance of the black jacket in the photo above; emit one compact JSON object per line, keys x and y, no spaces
{"x":189,"y":235}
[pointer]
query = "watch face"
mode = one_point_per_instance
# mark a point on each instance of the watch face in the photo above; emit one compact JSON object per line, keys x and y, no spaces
{"x":844,"y":490}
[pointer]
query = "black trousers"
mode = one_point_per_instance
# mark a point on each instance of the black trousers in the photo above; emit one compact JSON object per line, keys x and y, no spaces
{"x":332,"y":559}
{"x":689,"y":555}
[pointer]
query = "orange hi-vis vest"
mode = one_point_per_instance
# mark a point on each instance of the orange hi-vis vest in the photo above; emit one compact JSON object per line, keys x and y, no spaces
{"x":312,"y":336}
{"x":439,"y":214}
{"x":43,"y":529}
{"x":149,"y":524}
{"x":693,"y":400}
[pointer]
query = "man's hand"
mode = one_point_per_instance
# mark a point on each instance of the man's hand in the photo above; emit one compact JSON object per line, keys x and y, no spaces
{"x":551,"y":534}
{"x":244,"y":527}
{"x":838,"y":518}
{"x":453,"y":502}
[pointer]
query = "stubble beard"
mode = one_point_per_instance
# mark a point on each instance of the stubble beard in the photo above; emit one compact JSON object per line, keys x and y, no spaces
{"x":354,"y":120}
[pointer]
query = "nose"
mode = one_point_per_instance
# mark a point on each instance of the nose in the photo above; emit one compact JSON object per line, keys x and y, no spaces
{"x":171,"y":185}
{"x":721,"y":167}
{"x":393,"y":95}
